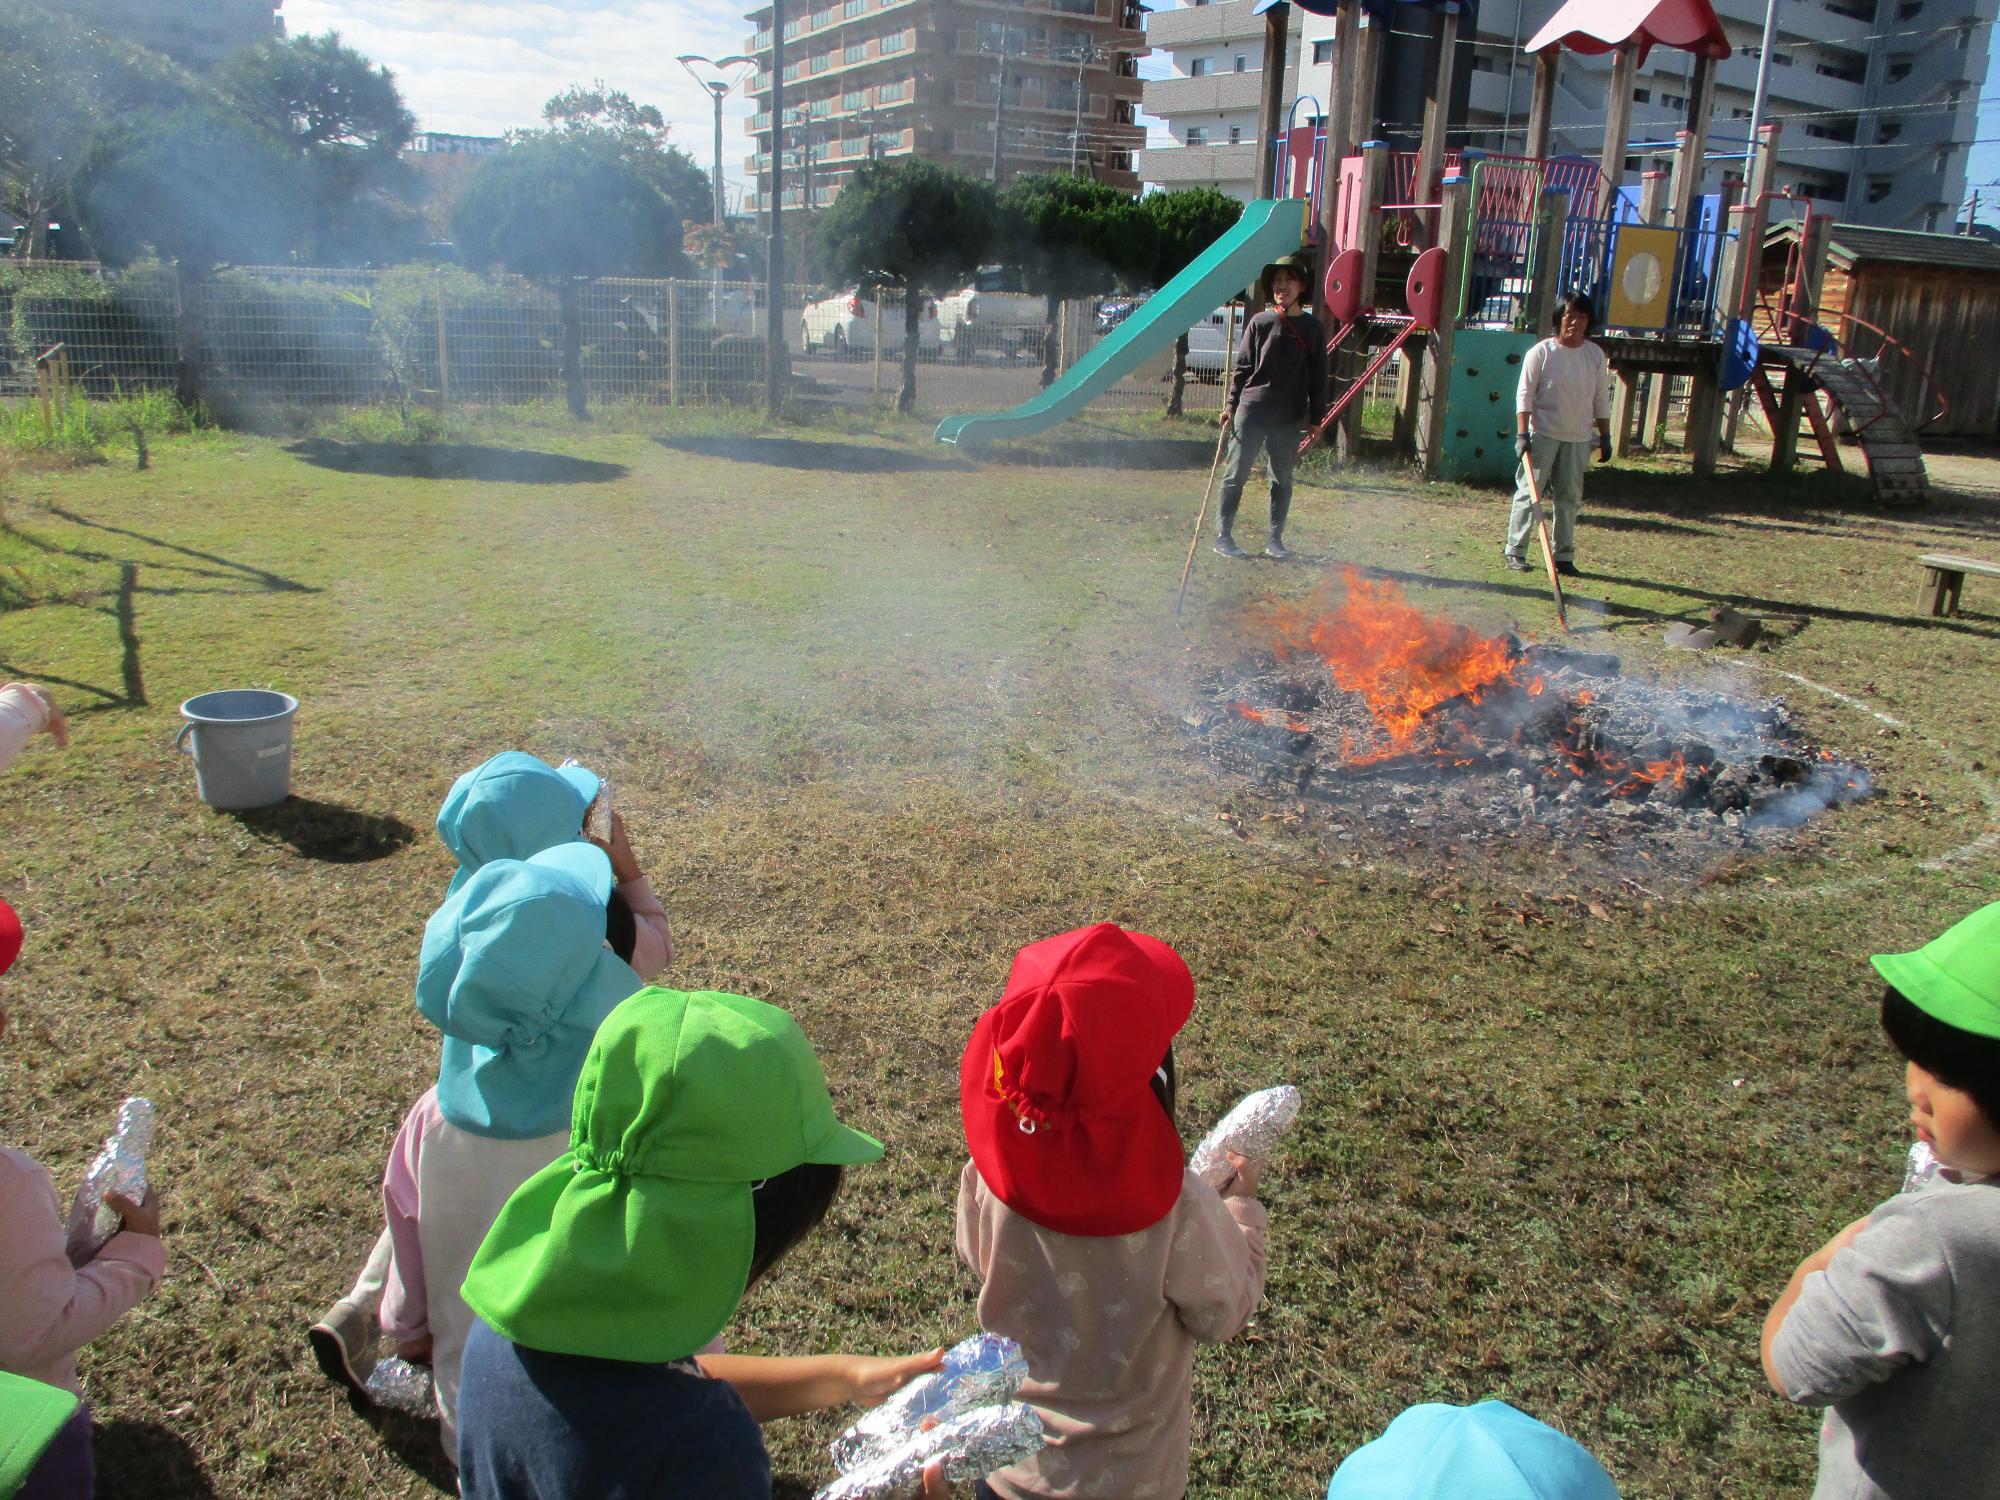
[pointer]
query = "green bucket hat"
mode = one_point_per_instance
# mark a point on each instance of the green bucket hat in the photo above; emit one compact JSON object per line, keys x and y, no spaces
{"x":636,"y":1244}
{"x":31,"y":1414}
{"x":1954,"y":978}
{"x":1299,"y":264}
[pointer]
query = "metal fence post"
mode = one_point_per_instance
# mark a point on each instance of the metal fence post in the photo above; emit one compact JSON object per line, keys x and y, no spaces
{"x":878,"y":338}
{"x":674,"y":338}
{"x":444,"y":346}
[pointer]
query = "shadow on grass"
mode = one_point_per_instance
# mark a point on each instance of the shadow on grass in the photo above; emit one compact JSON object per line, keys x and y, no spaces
{"x":1109,"y":452}
{"x":144,"y":1458}
{"x":810,"y":453}
{"x":326,"y":831}
{"x":1750,"y":499}
{"x":454,"y":461}
{"x":416,"y":1443}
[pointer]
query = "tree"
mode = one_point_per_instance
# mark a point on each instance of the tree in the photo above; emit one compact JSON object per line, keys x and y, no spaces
{"x":1073,"y":236}
{"x":1185,"y":223}
{"x":910,"y":223}
{"x":557,"y":207}
{"x":640,"y":133}
{"x":60,"y":84}
{"x":342,"y":117}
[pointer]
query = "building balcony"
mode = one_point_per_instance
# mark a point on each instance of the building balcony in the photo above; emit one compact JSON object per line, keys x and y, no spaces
{"x":1212,"y":25}
{"x":1232,"y":169}
{"x":1218,"y":93}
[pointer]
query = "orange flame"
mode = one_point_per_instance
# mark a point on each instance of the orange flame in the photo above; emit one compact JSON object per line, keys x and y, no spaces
{"x":1401,"y":662}
{"x":1291,"y":722}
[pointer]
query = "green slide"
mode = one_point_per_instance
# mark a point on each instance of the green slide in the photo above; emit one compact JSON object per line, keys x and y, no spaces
{"x":1268,"y":229}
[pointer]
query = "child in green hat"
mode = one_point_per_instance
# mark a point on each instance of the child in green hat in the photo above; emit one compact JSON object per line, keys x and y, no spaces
{"x":1894,"y":1324}
{"x":703,"y":1147}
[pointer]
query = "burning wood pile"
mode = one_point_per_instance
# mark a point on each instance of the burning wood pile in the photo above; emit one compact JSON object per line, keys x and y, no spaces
{"x":1376,"y":719}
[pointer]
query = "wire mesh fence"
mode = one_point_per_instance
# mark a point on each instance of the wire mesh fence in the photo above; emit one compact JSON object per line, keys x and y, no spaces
{"x":446,"y":337}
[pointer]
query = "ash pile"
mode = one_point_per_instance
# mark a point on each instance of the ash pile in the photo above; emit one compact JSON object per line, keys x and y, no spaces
{"x":1371,"y":725}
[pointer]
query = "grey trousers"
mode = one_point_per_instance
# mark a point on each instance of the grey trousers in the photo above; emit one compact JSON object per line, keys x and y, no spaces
{"x":1559,"y":469}
{"x":1281,"y":440}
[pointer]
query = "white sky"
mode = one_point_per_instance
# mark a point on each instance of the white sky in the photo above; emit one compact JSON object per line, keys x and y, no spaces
{"x":482,"y":66}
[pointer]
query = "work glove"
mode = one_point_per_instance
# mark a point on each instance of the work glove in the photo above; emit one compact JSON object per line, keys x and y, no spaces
{"x":1604,"y":447}
{"x":1521,"y":444}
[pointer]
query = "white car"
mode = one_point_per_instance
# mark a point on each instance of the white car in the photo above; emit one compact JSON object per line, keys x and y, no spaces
{"x":1210,"y":350}
{"x":995,"y":315}
{"x":844,"y":325}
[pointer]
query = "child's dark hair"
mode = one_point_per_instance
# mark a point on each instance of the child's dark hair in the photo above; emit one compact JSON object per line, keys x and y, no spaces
{"x":620,"y":930}
{"x":1571,"y":302}
{"x":1163,"y":1083}
{"x":787,"y":1208}
{"x":1958,"y":1059}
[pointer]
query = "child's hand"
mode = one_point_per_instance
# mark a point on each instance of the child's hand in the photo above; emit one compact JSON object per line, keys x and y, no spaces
{"x":1243,"y":1178}
{"x":138,"y":1218}
{"x":624,"y":863}
{"x":936,"y":1486}
{"x":873,"y":1380}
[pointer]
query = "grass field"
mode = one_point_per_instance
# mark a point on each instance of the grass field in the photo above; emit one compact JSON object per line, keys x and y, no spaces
{"x":878,"y":714}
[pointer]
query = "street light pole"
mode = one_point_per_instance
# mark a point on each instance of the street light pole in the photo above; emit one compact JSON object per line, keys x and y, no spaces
{"x":1763,"y":82}
{"x":718,"y":90}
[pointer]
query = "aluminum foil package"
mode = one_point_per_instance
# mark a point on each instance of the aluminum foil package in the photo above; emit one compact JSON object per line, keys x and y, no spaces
{"x":1252,"y":1129}
{"x":972,"y":1446}
{"x":119,"y":1168}
{"x":397,"y":1385}
{"x":1923,"y":1167}
{"x":984,"y":1370}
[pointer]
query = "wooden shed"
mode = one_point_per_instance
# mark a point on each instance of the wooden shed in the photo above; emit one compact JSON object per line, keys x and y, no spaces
{"x":1936,"y":294}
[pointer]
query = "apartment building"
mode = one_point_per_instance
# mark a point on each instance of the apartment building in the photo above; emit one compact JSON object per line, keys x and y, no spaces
{"x":194,"y":33}
{"x":1878,"y":97}
{"x":1209,"y":103}
{"x":933,"y":78}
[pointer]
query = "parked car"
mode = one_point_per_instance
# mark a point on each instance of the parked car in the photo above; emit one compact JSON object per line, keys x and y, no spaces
{"x":1209,"y":348}
{"x":844,"y":324}
{"x":993,"y":315}
{"x":1114,"y":310}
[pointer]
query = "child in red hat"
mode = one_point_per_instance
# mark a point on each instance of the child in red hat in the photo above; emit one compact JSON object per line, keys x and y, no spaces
{"x":1102,"y":1255}
{"x":50,"y":1308}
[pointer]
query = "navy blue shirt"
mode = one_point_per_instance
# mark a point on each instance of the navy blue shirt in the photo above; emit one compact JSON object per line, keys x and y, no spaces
{"x":539,"y":1426}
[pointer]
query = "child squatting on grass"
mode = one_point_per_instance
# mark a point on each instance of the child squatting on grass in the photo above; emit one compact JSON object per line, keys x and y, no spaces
{"x":511,"y":807}
{"x":50,"y":1308}
{"x":703,"y":1147}
{"x":1102,"y":1254}
{"x":1487,"y":1451}
{"x":1894,"y":1324}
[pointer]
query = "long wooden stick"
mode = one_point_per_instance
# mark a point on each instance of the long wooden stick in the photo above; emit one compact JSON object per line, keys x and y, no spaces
{"x":1195,"y":540}
{"x":1548,"y":543}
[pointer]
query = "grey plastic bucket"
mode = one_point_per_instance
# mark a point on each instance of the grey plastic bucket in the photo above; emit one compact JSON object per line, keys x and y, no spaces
{"x":242,"y":746}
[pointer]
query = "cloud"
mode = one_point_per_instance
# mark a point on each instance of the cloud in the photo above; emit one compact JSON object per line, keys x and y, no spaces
{"x":481,"y":67}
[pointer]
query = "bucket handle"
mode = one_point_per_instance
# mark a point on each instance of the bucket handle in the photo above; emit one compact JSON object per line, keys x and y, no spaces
{"x":181,"y":739}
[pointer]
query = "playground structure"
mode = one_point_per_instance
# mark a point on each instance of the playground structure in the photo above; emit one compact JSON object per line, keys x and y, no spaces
{"x":1490,"y":241}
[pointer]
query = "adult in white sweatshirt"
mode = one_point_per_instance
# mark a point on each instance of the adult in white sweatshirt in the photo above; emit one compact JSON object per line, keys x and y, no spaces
{"x":1565,"y":388}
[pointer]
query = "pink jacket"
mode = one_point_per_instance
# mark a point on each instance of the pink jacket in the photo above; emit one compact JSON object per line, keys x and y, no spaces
{"x":22,"y":717}
{"x":48,"y":1308}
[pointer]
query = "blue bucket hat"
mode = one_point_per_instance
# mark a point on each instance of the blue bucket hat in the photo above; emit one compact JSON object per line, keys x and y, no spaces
{"x":1488,"y":1451}
{"x":513,"y":806}
{"x":516,"y":975}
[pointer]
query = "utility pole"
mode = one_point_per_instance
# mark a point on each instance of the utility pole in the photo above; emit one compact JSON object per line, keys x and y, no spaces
{"x":718,"y":90}
{"x":1000,"y":96}
{"x":1763,"y":82}
{"x":1085,"y":53}
{"x":777,"y":358}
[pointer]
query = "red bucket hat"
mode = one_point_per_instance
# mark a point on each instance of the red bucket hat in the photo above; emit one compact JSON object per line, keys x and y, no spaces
{"x":1054,"y":1083}
{"x":10,"y":937}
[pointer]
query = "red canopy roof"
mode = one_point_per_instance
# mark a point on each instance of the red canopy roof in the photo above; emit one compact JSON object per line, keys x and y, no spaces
{"x":1605,"y":25}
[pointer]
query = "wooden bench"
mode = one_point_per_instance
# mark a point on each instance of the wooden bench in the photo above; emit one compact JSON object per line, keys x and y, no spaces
{"x":1944,"y":576}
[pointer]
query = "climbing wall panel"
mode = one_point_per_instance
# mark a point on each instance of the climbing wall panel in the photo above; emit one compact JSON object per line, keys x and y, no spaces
{"x":1479,"y":419}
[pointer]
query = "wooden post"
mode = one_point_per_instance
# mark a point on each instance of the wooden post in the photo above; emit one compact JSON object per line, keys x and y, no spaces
{"x":1618,"y":117}
{"x":1735,"y":296}
{"x":1725,"y":203}
{"x":1374,"y":183}
{"x":1433,"y":413}
{"x":1652,"y":210}
{"x":1791,"y":406}
{"x":1542,"y":105}
{"x":1545,"y":275}
{"x":1437,"y":99}
{"x":1371,"y":31}
{"x":1652,"y":195}
{"x":1340,"y":139}
{"x":1271,"y":105}
{"x":1691,"y":144}
{"x":444,"y":343}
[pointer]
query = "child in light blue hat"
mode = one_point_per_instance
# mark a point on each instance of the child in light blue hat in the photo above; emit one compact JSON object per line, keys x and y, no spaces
{"x":516,"y":975}
{"x":510,"y":807}
{"x":1488,"y":1451}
